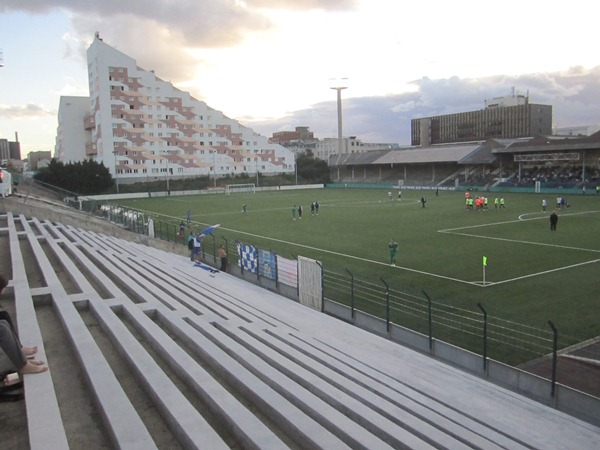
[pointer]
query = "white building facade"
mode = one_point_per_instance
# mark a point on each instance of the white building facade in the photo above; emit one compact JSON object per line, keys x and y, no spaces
{"x":330,"y":146}
{"x":142,"y":127}
{"x":71,"y":135}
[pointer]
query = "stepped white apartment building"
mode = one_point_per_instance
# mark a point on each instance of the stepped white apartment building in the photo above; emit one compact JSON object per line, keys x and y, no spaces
{"x":142,"y":127}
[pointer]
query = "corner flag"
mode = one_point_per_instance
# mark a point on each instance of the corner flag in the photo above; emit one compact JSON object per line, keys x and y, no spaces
{"x":485,"y":260}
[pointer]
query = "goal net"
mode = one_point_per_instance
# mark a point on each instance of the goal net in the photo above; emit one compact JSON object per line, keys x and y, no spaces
{"x":239,"y":188}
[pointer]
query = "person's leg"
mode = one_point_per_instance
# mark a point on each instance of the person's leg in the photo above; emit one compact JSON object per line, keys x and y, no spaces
{"x":11,"y":346}
{"x":4,"y":315}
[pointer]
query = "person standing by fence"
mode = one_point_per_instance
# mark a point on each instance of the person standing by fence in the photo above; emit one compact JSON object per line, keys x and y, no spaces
{"x":223,"y":258}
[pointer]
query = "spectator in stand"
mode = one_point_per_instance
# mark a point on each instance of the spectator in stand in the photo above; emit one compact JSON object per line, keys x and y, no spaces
{"x":191,"y":245}
{"x":223,"y":258}
{"x":197,"y":247}
{"x":21,"y":357}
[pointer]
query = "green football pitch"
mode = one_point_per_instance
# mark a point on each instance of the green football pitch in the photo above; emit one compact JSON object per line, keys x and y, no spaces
{"x":532,"y":274}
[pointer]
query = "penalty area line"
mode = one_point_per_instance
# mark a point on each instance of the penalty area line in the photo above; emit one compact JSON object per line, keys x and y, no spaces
{"x":516,"y":241}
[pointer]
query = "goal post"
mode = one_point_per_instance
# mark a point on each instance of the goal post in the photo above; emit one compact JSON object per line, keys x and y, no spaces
{"x":240,"y":188}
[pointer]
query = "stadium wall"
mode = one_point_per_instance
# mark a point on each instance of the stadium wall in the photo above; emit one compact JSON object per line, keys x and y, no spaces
{"x":217,"y":190}
{"x":503,"y":189}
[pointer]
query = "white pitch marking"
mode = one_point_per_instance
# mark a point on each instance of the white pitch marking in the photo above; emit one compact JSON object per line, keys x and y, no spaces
{"x":548,"y":271}
{"x":521,"y":219}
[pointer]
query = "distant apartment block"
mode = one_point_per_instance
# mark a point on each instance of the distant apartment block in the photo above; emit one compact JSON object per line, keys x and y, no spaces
{"x":10,"y":150}
{"x":142,"y":127}
{"x":40,"y":159}
{"x":300,"y":136}
{"x":503,"y":118}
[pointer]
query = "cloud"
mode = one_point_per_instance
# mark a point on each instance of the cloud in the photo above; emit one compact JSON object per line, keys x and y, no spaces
{"x":164,"y":34}
{"x":304,"y":5}
{"x":574,"y":95}
{"x":206,"y":23}
{"x":29,"y":111}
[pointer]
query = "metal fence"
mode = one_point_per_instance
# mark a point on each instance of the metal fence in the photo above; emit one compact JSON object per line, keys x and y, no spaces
{"x":474,"y":330}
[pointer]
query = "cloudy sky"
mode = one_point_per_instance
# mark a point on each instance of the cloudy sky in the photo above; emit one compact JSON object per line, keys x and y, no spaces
{"x":269,"y":63}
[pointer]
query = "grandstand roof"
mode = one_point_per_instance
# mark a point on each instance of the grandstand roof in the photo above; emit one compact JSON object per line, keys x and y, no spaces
{"x":480,"y":152}
{"x":550,"y":143}
{"x":473,"y":152}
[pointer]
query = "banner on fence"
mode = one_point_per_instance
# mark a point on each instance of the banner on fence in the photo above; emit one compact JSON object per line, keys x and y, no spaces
{"x":287,"y":271}
{"x":247,"y":257}
{"x":310,"y":276}
{"x":267,"y":264}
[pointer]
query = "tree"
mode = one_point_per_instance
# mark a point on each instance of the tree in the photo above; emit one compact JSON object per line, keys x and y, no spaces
{"x":312,"y":169}
{"x":83,"y":177}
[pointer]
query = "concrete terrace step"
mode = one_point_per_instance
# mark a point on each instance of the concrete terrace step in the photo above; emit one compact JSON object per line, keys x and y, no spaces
{"x":227,"y":364}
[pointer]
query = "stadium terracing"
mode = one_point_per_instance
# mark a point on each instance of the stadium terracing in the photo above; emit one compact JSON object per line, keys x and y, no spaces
{"x":146,"y":350}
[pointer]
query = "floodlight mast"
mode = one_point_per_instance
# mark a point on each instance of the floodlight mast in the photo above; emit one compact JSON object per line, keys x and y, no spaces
{"x":339,"y":84}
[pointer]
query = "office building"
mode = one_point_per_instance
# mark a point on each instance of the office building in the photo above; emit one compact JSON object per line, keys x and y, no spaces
{"x":503,"y":118}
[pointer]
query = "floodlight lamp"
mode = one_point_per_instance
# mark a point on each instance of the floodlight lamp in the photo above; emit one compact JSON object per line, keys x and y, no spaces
{"x":338,"y":83}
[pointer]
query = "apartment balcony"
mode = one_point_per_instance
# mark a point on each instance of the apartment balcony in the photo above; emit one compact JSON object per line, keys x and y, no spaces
{"x":91,"y":149}
{"x":89,"y":122}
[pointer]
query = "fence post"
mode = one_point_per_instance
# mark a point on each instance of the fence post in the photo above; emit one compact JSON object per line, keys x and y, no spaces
{"x":276,"y":270}
{"x":387,"y":305}
{"x":484,"y":335}
{"x":322,"y":287}
{"x":297,"y":276}
{"x":226,"y":252}
{"x":430,"y":325}
{"x":214,"y":248}
{"x":554,"y":357}
{"x":351,"y":293}
{"x":257,"y":265}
